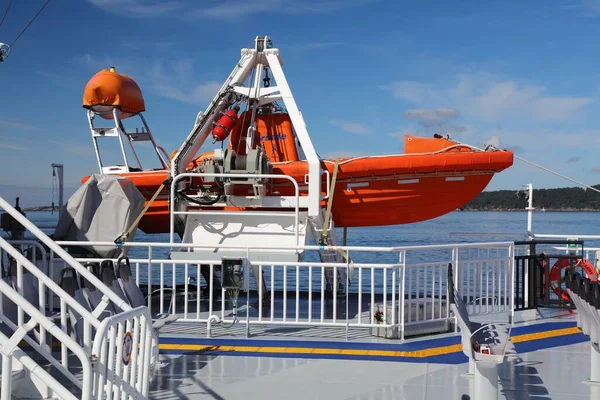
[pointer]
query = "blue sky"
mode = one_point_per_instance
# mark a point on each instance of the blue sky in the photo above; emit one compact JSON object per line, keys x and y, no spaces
{"x":523,"y":75}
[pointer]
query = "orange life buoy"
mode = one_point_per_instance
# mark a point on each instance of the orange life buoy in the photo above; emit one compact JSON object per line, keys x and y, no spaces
{"x":555,"y":278}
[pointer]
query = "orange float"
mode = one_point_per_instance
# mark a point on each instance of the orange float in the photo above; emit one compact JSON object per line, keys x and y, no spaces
{"x":108,"y":90}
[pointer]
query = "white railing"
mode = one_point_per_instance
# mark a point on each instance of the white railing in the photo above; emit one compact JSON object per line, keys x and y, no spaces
{"x":411,"y":281}
{"x":123,"y":354}
{"x":41,"y":312}
{"x":486,"y":278}
{"x":179,"y":177}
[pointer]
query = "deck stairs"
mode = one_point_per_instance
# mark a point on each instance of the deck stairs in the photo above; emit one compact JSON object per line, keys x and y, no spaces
{"x":42,"y":354}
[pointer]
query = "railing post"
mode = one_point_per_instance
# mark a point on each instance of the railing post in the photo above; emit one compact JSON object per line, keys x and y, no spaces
{"x":511,"y":260}
{"x":532,"y":277}
{"x":402,"y":297}
{"x":455,"y":281}
{"x":346,"y":286}
{"x":6,"y":377}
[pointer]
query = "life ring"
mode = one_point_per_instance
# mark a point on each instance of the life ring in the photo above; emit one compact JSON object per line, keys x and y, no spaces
{"x":562,"y":263}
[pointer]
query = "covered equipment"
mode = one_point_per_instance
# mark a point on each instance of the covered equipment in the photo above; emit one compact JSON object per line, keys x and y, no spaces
{"x":102,"y":209}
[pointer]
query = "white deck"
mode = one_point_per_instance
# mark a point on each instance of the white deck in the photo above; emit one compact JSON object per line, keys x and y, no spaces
{"x":549,"y":373}
{"x":555,"y":373}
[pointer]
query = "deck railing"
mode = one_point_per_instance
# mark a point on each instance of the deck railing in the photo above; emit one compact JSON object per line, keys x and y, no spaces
{"x":29,"y":313}
{"x":394,"y":288}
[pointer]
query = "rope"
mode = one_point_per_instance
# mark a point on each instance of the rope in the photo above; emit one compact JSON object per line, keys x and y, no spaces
{"x":324,"y":240}
{"x":30,"y":22}
{"x":135,"y":223}
{"x":6,"y":12}
{"x":330,"y":201}
{"x":556,"y":173}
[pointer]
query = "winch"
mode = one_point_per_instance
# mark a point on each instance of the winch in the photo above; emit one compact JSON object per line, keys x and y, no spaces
{"x":226,"y":161}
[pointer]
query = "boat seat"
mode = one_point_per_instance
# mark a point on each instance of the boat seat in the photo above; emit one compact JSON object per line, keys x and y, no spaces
{"x":108,"y":277}
{"x":94,"y":297}
{"x":69,"y":283}
{"x":135,"y":296}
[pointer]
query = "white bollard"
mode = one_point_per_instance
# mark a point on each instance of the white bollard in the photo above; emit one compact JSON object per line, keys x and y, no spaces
{"x":486,"y":381}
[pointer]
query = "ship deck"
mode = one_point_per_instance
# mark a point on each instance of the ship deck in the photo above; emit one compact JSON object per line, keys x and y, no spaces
{"x":553,"y":361}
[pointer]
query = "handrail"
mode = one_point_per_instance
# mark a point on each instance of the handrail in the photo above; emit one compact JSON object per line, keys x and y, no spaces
{"x":55,"y":331}
{"x":119,"y":302}
{"x":143,"y":336}
{"x":553,"y":236}
{"x":48,"y":282}
{"x":290,"y":247}
{"x":38,"y":372}
{"x":172,"y":212}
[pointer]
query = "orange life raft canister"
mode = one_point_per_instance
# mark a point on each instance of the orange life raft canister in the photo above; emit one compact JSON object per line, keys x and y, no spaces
{"x":108,"y":90}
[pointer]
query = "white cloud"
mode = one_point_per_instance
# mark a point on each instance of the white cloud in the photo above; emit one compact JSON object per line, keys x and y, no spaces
{"x":352,"y":127}
{"x":138,"y":8}
{"x":558,"y":108}
{"x":344,"y":154}
{"x":321,"y":45}
{"x":16,"y":125}
{"x":173,"y":79}
{"x":494,"y":140}
{"x":193,"y":10}
{"x":400,"y":134}
{"x":431,"y":114}
{"x":487,"y":97}
{"x":415,"y":92}
{"x":80,"y":148}
{"x":11,"y":146}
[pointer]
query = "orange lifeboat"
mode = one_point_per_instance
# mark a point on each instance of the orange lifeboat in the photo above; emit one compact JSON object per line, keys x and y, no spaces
{"x":108,"y":90}
{"x":433,"y":177}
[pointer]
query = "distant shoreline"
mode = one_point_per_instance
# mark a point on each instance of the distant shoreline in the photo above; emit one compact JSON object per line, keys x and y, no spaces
{"x":40,"y":208}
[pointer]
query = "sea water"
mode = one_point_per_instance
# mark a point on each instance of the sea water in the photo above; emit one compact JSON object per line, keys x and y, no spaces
{"x":455,"y":227}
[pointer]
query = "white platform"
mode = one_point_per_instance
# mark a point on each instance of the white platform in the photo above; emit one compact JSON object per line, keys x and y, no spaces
{"x":244,"y":229}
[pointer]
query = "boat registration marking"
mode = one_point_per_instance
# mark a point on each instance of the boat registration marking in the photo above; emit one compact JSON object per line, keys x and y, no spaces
{"x":407,"y":181}
{"x":455,"y":178}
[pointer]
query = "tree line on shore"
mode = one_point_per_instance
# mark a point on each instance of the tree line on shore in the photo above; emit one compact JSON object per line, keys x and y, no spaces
{"x":561,"y":199}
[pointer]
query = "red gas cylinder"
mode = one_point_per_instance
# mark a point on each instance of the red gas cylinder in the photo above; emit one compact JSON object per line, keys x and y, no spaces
{"x":225,"y":124}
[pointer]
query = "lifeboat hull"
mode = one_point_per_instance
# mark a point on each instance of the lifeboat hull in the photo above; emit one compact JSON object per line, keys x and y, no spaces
{"x":369,"y":191}
{"x":403,"y":201}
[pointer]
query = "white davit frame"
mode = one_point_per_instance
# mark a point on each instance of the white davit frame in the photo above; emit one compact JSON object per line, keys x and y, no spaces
{"x":260,"y":57}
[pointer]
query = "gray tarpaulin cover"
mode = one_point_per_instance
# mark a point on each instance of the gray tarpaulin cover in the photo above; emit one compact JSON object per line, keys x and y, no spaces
{"x":101,"y":210}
